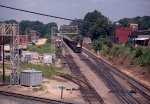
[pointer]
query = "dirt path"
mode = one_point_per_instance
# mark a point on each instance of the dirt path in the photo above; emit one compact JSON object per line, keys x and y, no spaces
{"x":41,"y":41}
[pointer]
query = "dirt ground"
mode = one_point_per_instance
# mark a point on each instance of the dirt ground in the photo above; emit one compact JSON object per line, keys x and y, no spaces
{"x":41,"y":41}
{"x":50,"y":88}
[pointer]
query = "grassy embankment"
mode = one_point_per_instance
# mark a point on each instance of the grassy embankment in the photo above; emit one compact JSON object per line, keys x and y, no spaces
{"x":46,"y":70}
{"x":137,"y":55}
{"x":134,"y":59}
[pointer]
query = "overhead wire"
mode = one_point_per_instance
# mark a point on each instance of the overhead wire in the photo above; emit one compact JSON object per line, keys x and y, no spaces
{"x":36,"y":13}
{"x":8,"y":7}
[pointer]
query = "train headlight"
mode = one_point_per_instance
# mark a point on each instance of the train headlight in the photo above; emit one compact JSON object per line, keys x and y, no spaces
{"x":78,"y":45}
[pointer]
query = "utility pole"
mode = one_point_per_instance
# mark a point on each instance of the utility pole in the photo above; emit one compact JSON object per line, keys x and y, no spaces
{"x":2,"y":39}
{"x":53,"y":37}
{"x":3,"y":59}
{"x":12,"y":31}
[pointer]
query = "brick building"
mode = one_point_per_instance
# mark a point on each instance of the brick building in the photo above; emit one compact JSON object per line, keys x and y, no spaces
{"x":122,"y":34}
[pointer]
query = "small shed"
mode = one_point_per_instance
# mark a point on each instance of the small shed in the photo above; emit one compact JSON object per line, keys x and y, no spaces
{"x":26,"y":56}
{"x":47,"y":58}
{"x":30,"y":77}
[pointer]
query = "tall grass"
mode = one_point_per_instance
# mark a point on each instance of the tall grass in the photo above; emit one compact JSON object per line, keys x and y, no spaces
{"x":45,"y":48}
{"x":144,"y":58}
{"x":47,"y":71}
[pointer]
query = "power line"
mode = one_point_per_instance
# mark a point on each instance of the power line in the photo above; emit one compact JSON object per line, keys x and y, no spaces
{"x":44,"y":14}
{"x":103,"y":26}
{"x":36,"y":13}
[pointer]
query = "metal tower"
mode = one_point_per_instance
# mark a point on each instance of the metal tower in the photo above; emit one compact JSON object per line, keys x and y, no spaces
{"x":12,"y":31}
{"x":68,"y":29}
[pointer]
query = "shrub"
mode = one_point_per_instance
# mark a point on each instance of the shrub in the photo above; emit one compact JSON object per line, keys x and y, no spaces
{"x":138,"y":52}
{"x":105,"y":50}
{"x":97,"y":45}
{"x":116,"y":49}
{"x":144,"y":59}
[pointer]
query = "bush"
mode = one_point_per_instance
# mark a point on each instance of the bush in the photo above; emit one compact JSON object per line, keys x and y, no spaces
{"x":116,"y":49}
{"x":144,"y":59}
{"x":97,"y":45}
{"x":105,"y":50}
{"x":138,"y":52}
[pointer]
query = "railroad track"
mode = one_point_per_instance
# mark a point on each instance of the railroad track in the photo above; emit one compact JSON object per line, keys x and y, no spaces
{"x":89,"y":94}
{"x":26,"y":99}
{"x":103,"y":70}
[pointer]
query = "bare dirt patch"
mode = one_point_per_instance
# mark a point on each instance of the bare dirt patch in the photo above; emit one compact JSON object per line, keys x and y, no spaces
{"x":41,"y":41}
{"x":50,"y":89}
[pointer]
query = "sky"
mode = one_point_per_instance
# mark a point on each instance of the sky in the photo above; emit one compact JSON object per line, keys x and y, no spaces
{"x":113,"y":9}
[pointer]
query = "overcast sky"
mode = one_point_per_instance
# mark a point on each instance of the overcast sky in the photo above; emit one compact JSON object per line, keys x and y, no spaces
{"x":114,"y":9}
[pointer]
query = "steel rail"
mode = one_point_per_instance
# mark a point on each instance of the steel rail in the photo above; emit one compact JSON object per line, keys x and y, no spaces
{"x":142,"y":88}
{"x":110,"y":81}
{"x":32,"y":98}
{"x":88,"y":92}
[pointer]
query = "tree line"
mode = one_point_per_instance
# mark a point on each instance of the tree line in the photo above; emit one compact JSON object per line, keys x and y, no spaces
{"x":40,"y":27}
{"x":143,"y":22}
{"x":95,"y":25}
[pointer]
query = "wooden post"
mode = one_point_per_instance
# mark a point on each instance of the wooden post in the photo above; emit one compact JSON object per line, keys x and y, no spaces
{"x":61,"y":87}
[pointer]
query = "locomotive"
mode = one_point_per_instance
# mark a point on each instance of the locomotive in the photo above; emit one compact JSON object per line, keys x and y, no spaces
{"x":75,"y":45}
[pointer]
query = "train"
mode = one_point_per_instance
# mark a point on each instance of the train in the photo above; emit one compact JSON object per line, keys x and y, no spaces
{"x":75,"y":45}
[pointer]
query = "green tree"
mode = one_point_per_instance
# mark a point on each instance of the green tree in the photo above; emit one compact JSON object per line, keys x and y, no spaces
{"x":24,"y":25}
{"x":11,"y":21}
{"x":94,"y":25}
{"x":38,"y":26}
{"x":144,"y":23}
{"x":124,"y":22}
{"x":48,"y":27}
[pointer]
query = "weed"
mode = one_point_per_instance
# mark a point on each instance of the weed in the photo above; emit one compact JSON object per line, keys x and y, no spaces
{"x":39,"y":88}
{"x":45,"y":48}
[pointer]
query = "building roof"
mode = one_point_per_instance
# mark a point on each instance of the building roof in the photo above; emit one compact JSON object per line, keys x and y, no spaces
{"x":140,"y":32}
{"x":125,"y":28}
{"x":141,"y":38}
{"x":31,"y":71}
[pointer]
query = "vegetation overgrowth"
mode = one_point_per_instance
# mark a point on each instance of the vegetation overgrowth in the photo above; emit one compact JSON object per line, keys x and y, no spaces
{"x":128,"y":52}
{"x":47,"y":71}
{"x":45,"y":48}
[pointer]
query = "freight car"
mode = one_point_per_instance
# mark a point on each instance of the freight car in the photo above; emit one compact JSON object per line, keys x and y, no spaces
{"x":75,"y":45}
